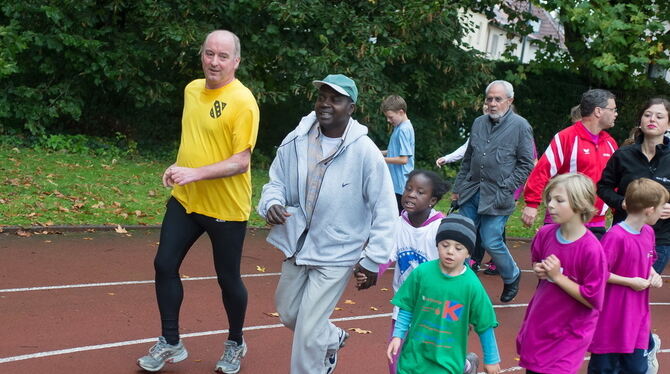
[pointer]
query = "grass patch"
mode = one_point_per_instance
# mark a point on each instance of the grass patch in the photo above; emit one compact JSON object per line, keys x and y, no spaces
{"x":44,"y":188}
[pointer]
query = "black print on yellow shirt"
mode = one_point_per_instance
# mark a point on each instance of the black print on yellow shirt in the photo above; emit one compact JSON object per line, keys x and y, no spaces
{"x":217,"y":108}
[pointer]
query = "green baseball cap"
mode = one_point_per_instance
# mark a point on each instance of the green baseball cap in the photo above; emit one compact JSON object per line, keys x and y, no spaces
{"x":340,"y":83}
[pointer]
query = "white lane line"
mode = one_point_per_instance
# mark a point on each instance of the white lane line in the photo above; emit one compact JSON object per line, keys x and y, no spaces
{"x":206,"y":333}
{"x":151,"y":340}
{"x":125,"y":283}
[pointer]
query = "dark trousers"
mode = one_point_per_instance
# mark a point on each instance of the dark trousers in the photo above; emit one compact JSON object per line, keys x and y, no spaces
{"x":598,"y":231}
{"x":619,"y":363}
{"x":178,"y":233}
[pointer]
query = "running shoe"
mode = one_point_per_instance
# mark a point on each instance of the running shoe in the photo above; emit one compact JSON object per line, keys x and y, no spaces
{"x":162,"y":353}
{"x":231,"y":360}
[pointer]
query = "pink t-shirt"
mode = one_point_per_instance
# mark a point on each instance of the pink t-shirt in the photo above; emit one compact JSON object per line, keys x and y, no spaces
{"x":625,"y":321}
{"x":557,"y":329}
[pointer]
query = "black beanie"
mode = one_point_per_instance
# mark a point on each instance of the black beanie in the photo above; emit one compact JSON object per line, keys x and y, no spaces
{"x":459,"y":228}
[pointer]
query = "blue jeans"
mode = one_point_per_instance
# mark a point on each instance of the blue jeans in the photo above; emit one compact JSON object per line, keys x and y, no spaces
{"x":662,"y":259}
{"x":491,"y":230}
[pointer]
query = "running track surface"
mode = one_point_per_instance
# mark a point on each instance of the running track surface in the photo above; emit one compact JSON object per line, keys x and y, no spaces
{"x":84,"y":303}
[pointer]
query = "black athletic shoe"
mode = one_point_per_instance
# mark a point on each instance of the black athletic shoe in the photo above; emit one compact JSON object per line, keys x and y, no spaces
{"x":510,"y":290}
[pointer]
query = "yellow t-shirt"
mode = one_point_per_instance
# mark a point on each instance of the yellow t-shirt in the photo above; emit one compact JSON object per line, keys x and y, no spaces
{"x":215,"y":125}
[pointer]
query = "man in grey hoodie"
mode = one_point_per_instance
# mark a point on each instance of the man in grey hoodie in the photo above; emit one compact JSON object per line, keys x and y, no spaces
{"x":331,"y":203}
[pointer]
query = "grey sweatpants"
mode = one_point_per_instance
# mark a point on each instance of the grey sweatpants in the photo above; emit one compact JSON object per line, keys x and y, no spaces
{"x":305,"y":298}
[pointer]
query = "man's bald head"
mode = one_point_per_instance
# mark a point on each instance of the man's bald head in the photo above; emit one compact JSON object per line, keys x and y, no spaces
{"x":225,"y":34}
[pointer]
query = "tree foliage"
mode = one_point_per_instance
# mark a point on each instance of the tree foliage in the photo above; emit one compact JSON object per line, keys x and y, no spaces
{"x":119,"y":65}
{"x":611,"y":43}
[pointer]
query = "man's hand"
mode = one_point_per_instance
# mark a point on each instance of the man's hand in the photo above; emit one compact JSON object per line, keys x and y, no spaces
{"x":167,"y":179}
{"x":440,"y":161}
{"x":277,"y":215}
{"x":638,"y":284}
{"x":393,"y":348}
{"x":182,"y":175}
{"x":528,"y":216}
{"x":454,"y":196}
{"x":364,"y":277}
{"x":492,"y":368}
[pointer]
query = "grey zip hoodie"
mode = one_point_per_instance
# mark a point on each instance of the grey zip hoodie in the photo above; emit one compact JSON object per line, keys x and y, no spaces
{"x":355,"y":211}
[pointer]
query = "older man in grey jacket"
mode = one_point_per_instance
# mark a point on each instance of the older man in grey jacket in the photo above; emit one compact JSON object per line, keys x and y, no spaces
{"x":497,"y":161}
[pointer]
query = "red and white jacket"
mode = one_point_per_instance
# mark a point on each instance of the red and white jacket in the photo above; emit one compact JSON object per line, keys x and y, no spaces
{"x":572,"y":150}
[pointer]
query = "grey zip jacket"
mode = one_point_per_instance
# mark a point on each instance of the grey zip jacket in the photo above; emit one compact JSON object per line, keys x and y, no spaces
{"x":355,"y":212}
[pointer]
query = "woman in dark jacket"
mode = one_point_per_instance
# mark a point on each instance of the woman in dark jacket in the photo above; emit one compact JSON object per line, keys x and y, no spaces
{"x":647,"y":157}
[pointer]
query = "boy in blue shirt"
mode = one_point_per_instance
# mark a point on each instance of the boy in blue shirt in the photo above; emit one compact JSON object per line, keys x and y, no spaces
{"x":400,"y":153}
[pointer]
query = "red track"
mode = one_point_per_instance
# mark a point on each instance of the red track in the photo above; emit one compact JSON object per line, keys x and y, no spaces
{"x":38,"y":322}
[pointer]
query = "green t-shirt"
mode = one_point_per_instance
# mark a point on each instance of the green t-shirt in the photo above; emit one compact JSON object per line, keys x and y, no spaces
{"x":442,"y":309}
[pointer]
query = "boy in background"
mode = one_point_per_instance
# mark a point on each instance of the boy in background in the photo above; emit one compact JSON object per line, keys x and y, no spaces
{"x":622,"y":336}
{"x":400,"y":153}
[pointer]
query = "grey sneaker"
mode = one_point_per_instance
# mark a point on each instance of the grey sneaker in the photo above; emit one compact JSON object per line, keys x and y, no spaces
{"x":331,"y":356}
{"x":161,"y":353}
{"x":231,"y":359}
{"x":473,"y":359}
{"x":652,"y":361}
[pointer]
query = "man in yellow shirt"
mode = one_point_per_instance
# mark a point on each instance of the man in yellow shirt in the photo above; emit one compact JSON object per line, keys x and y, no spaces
{"x":211,"y":192}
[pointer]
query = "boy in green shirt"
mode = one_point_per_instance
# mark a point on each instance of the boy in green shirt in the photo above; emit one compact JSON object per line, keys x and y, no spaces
{"x":438,"y":303}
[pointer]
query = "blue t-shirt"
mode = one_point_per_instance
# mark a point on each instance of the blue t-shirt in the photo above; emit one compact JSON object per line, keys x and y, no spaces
{"x":401,"y":144}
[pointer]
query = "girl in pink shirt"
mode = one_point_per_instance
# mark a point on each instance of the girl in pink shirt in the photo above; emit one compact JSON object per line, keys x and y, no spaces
{"x":570,"y":264}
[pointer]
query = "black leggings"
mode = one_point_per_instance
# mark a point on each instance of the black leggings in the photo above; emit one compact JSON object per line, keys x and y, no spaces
{"x":178,"y":233}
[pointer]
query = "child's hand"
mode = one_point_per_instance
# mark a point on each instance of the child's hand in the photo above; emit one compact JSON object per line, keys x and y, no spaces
{"x":393,"y":348}
{"x":655,"y":279}
{"x":492,"y":368}
{"x":553,"y":267}
{"x":639,"y":284}
{"x":539,"y":270}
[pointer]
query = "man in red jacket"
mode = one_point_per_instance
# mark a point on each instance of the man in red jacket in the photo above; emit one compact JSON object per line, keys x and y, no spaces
{"x":582,"y":148}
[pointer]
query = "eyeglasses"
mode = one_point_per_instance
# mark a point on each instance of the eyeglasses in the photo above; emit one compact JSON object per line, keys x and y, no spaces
{"x":612,"y":109}
{"x":497,"y":99}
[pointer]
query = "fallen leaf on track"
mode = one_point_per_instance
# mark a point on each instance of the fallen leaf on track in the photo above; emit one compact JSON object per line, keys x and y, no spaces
{"x":384,"y":289}
{"x":120,"y":229}
{"x":275,"y":314}
{"x":338,"y":308}
{"x":111,"y":293}
{"x":360,"y":331}
{"x":374,"y":308}
{"x":260,"y":269}
{"x":347,"y":301}
{"x":23,"y":234}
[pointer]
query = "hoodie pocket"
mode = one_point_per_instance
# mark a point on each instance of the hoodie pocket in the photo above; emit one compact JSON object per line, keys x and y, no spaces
{"x":285,"y":236}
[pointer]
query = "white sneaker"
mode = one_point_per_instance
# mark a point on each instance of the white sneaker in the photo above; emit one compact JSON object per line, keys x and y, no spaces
{"x":231,"y":360}
{"x":652,"y":361}
{"x":162,"y":353}
{"x":331,"y":356}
